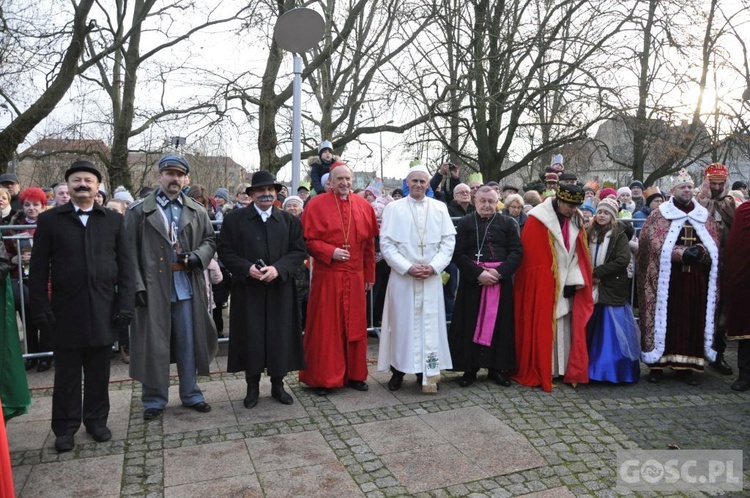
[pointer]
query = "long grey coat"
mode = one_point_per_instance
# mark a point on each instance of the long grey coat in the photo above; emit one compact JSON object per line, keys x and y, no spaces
{"x":151,"y":328}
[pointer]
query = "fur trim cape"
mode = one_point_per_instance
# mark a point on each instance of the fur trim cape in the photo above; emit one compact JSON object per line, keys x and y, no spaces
{"x":656,"y":252}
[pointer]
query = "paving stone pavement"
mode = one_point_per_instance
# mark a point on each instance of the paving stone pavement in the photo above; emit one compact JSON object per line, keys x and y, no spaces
{"x":480,"y":441}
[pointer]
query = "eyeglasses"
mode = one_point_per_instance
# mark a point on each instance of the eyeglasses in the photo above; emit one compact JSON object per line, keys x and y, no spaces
{"x":477,"y":188}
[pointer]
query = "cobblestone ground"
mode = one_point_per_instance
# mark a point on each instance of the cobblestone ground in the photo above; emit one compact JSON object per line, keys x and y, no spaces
{"x":483,"y":440}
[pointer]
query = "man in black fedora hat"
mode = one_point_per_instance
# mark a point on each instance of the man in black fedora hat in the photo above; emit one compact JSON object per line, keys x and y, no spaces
{"x":262,"y":246}
{"x":82,"y":250}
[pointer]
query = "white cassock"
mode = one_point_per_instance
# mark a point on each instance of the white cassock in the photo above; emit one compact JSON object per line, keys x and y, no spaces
{"x":413,"y":337}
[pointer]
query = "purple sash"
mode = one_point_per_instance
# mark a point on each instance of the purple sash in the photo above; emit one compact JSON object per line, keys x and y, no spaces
{"x":488,"y":307}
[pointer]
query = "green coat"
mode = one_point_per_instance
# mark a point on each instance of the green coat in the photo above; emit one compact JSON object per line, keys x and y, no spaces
{"x":151,"y":327}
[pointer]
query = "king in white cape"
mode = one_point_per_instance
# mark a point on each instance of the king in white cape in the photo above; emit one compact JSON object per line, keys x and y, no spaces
{"x":413,"y":336}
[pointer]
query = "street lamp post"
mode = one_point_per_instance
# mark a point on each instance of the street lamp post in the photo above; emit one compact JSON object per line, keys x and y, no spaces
{"x":298,"y":30}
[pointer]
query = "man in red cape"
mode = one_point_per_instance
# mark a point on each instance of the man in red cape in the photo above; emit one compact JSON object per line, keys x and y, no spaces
{"x":553,"y":298}
{"x":339,"y":229}
{"x":737,"y":291}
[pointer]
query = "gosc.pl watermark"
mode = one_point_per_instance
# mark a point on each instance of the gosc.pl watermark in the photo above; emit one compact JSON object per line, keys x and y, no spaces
{"x":679,"y":470}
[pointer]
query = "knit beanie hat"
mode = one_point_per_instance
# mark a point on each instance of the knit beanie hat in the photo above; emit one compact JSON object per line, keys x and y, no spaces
{"x":223,"y":193}
{"x":624,"y":190}
{"x":609,"y":205}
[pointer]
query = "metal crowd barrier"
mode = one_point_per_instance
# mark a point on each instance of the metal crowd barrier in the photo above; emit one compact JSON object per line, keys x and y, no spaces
{"x":371,"y":328}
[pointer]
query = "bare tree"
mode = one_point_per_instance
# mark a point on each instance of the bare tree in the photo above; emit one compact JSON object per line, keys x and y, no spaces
{"x":118,"y":74}
{"x":362,"y":40}
{"x":61,"y":76}
{"x":527,"y":77}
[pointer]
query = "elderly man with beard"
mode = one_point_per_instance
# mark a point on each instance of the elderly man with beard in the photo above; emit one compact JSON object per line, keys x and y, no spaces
{"x":174,"y":242}
{"x":553,"y":297}
{"x":262,"y":247}
{"x":81,"y":248}
{"x":416,"y":239}
{"x":714,"y":196}
{"x":488,"y":252}
{"x":678,"y":268}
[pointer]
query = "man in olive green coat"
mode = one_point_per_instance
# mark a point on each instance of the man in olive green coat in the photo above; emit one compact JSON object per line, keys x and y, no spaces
{"x":173,"y":242}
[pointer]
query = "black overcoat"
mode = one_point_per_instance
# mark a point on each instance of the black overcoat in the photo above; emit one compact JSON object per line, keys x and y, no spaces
{"x":90,"y":273}
{"x":505,"y":242}
{"x":264,"y":325}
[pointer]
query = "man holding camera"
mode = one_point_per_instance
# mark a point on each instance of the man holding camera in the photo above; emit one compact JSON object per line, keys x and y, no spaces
{"x":262,"y":247}
{"x":449,"y":176}
{"x":173,"y":242}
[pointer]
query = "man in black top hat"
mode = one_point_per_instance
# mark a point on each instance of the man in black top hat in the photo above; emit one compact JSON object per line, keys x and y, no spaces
{"x":173,"y":242}
{"x":82,"y":248}
{"x":262,"y":247}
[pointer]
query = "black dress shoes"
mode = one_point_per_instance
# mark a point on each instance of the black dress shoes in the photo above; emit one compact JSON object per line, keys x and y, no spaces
{"x":467,"y":379}
{"x":43,"y":366}
{"x":655,"y":376}
{"x":321,"y":391}
{"x":395,"y":383}
{"x":741,"y":385}
{"x":720,"y":365}
{"x":499,"y":379}
{"x":201,"y":407}
{"x":64,"y":443}
{"x":30,"y":363}
{"x":100,"y":434}
{"x":278,"y":393}
{"x":689,"y":377}
{"x":151,"y":413}
{"x":251,"y":398}
{"x":358,"y":385}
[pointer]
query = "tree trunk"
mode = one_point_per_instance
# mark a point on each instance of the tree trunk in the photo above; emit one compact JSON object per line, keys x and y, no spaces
{"x":15,"y":133}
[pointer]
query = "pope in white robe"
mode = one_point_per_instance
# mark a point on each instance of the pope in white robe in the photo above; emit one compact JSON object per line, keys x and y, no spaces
{"x":417,"y":238}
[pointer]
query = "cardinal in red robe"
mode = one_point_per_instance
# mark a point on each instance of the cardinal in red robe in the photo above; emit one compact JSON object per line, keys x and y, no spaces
{"x":737,"y":291}
{"x":339,"y":229}
{"x":553,"y":297}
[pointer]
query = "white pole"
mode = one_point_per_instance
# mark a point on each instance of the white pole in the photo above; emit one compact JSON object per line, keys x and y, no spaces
{"x":296,"y":123}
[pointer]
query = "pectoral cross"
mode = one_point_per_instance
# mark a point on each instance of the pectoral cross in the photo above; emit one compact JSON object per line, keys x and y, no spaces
{"x":346,"y":247}
{"x":421,"y":248}
{"x":688,"y":240}
{"x":478,"y":255}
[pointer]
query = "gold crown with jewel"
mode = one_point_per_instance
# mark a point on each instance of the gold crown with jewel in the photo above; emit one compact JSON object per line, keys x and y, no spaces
{"x":572,"y":194}
{"x":682,"y":177}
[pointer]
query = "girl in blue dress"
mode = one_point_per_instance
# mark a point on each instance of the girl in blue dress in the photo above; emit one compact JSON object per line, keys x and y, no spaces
{"x":612,"y":331}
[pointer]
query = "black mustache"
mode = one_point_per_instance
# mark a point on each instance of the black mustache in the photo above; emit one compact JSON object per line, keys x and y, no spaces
{"x":175,"y":182}
{"x":265,"y":198}
{"x":82,"y":188}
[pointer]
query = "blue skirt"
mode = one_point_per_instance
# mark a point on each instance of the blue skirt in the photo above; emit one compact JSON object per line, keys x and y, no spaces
{"x":613,"y":345}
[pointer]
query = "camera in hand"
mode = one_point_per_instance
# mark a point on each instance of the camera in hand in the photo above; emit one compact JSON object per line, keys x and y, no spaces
{"x":260,"y":264}
{"x":452,"y":167}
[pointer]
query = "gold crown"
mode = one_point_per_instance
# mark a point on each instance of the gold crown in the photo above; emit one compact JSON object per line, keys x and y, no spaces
{"x":570,"y":195}
{"x":682,"y":177}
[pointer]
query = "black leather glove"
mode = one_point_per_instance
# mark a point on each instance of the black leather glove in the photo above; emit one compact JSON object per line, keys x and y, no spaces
{"x":569,"y":290}
{"x":123,"y":318}
{"x":692,"y":255}
{"x":140,"y":299}
{"x":45,"y":321}
{"x":193,"y":262}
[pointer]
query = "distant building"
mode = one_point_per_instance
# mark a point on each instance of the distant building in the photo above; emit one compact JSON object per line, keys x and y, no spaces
{"x":45,"y":162}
